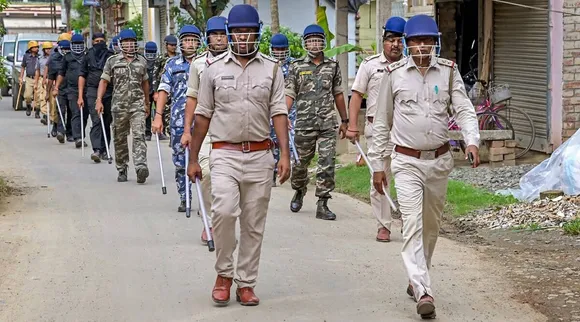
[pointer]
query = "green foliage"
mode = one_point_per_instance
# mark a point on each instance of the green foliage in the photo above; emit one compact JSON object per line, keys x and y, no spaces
{"x":294,"y":40}
{"x":322,"y":21}
{"x":137,"y":25}
{"x":182,"y":19}
{"x":572,"y":227}
{"x":4,"y":72}
{"x":83,"y":13}
{"x":198,"y":13}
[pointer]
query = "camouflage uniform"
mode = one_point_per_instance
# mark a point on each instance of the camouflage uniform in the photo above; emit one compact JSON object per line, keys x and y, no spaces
{"x":128,"y":108}
{"x":157,"y":73}
{"x":174,"y":82}
{"x":313,"y":88}
{"x":291,"y":115}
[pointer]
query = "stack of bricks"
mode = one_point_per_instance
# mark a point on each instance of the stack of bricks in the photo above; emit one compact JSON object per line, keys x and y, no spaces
{"x":502,"y":153}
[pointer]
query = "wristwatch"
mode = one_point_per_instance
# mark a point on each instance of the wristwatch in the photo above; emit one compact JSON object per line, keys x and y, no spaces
{"x":345,"y":121}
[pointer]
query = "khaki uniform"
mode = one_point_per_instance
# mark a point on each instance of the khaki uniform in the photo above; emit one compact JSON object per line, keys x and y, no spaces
{"x":417,"y":109}
{"x":241,"y":181}
{"x":42,"y":103}
{"x":29,"y":65}
{"x":367,"y":81}
{"x":195,"y":71}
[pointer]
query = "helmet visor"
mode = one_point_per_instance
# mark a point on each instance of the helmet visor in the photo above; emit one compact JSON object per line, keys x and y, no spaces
{"x":279,"y":53}
{"x":314,"y":44}
{"x":128,"y":46}
{"x":77,"y":47}
{"x":188,"y":44}
{"x":244,"y":41}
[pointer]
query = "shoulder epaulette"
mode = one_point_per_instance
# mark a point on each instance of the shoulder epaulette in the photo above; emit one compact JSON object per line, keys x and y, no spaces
{"x":212,"y":60}
{"x":446,"y":62}
{"x":396,"y":65}
{"x":372,"y":57}
{"x":269,"y":58}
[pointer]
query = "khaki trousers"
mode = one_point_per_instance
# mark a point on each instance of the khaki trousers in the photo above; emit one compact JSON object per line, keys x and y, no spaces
{"x":43,"y":103}
{"x":421,"y":191}
{"x":241,"y":186}
{"x":380,"y":206}
{"x":203,"y":160}
{"x":29,"y":90}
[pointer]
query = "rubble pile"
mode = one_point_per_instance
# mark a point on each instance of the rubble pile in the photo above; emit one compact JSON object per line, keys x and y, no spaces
{"x":541,"y":213}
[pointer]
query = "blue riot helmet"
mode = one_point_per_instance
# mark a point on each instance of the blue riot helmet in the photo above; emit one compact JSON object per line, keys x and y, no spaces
{"x":128,"y":42}
{"x":189,"y":40}
{"x":244,"y":43}
{"x":314,"y":40}
{"x":77,"y":44}
{"x":63,"y":47}
{"x":279,"y":47}
{"x":170,"y":40}
{"x":422,"y":26}
{"x":215,"y":26}
{"x":150,"y":52}
{"x":114,"y":45}
{"x":395,"y":25}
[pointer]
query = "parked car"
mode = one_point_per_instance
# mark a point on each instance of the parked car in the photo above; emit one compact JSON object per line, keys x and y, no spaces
{"x":16,"y":61}
{"x":8,"y":44}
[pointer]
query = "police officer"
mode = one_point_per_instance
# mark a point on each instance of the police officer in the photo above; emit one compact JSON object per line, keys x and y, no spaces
{"x":174,"y":83}
{"x":114,"y":45}
{"x":69,"y":73}
{"x":216,"y":41}
{"x":315,"y":83}
{"x":40,"y":87}
{"x":89,"y":78}
{"x":150,"y":54}
{"x":246,"y":86}
{"x":415,"y":99}
{"x":29,"y":69}
{"x":280,"y":50}
{"x":170,"y":51}
{"x":55,"y":62}
{"x":128,"y":71}
{"x":367,"y":81}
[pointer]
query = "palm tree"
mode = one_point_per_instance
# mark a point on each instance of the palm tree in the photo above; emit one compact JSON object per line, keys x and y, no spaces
{"x":275,"y":16}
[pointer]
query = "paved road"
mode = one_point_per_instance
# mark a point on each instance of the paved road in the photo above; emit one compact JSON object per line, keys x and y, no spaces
{"x":81,"y":247}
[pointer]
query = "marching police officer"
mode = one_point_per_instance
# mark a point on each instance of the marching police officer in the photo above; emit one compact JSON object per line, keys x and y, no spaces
{"x":29,"y":69}
{"x":89,"y":78}
{"x":40,"y":87}
{"x":128,"y":71}
{"x":59,"y":91}
{"x":415,"y":100}
{"x":174,"y":83}
{"x":170,"y":51}
{"x":367,"y":81}
{"x":245,"y":86}
{"x":216,"y":41}
{"x":69,"y":73}
{"x":150,"y":54}
{"x":315,"y":83}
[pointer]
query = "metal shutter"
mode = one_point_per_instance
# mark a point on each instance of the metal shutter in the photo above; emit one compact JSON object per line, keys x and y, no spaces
{"x":520,"y":59}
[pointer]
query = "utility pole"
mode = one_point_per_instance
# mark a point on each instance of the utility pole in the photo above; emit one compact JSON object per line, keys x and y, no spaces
{"x":91,"y":25}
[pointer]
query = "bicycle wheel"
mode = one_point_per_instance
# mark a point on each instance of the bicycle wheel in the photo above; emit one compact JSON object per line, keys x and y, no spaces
{"x":489,"y":120}
{"x":521,"y":120}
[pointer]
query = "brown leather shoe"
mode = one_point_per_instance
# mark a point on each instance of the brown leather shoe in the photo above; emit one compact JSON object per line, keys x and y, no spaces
{"x":246,"y":296}
{"x":426,"y":307}
{"x":221,"y":290}
{"x":204,"y":236}
{"x":410,"y":291}
{"x":383,"y":235}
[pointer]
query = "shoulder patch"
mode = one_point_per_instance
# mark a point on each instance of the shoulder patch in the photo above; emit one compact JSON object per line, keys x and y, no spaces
{"x":372,"y":57}
{"x":446,"y":62}
{"x":396,"y":65}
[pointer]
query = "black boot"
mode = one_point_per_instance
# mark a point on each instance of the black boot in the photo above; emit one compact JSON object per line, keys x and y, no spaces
{"x":60,"y":137}
{"x":122,"y":177}
{"x":296,"y":203}
{"x":181,"y":207}
{"x":96,"y":156}
{"x":322,"y":211}
{"x":53,"y":131}
{"x":37,"y":115}
{"x":142,"y":175}
{"x":43,"y":120}
{"x":28,"y":109}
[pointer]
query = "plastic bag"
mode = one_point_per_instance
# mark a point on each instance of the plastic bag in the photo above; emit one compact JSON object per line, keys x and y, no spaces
{"x":560,"y":172}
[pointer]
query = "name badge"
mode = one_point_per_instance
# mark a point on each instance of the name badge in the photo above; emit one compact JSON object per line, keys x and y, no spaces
{"x":306,"y":72}
{"x":227,"y":77}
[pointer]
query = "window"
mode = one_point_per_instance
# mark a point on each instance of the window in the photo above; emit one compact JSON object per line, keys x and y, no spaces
{"x":8,"y":48}
{"x":415,"y":7}
{"x":22,"y":48}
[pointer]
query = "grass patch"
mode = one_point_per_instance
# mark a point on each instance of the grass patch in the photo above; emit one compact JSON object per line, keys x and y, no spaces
{"x":572,"y":227}
{"x":462,"y":198}
{"x":529,"y":227}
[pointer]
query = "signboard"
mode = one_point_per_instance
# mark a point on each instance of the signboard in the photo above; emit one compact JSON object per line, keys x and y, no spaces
{"x":93,"y":3}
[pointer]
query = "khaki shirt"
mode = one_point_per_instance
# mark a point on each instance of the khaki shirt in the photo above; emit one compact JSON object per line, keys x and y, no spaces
{"x":419,"y":106}
{"x":240,"y":101}
{"x":195,"y":71}
{"x":368,"y":79}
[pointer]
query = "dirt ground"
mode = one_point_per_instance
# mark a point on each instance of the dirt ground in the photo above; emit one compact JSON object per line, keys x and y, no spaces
{"x":544,"y":265}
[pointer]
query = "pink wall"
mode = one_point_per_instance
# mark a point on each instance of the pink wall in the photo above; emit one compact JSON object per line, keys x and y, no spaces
{"x":556,"y":76}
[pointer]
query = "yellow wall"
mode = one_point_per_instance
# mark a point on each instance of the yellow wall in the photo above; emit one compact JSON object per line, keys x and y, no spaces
{"x":367,"y":25}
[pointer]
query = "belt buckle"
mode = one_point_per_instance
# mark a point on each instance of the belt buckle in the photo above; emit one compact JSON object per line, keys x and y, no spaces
{"x":428,"y":155}
{"x":246,"y":147}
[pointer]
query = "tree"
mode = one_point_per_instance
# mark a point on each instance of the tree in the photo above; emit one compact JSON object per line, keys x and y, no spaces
{"x":137,"y":25}
{"x":198,"y":14}
{"x":253,"y":3}
{"x":275,"y":16}
{"x":294,"y":41}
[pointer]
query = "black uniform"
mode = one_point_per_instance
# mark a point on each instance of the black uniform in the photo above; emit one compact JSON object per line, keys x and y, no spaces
{"x":150,"y":66}
{"x":70,"y":70}
{"x":55,"y":61}
{"x":91,"y":70}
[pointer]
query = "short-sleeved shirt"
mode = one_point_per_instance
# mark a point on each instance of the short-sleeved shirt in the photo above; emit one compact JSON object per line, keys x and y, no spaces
{"x":41,"y":64}
{"x":128,"y":77}
{"x":195,"y":72}
{"x":368,"y":79}
{"x":29,"y":64}
{"x":240,"y":101}
{"x":174,"y":82}
{"x":313,"y":88}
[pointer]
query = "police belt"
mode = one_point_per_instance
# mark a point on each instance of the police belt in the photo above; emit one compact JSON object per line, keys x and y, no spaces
{"x":424,"y":155}
{"x":248,"y":146}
